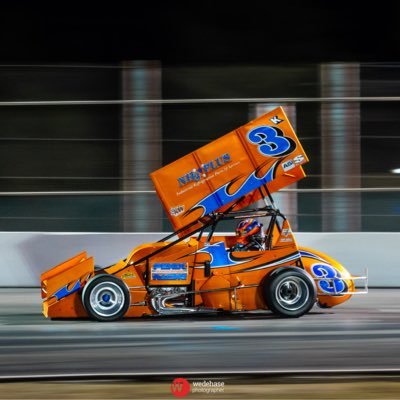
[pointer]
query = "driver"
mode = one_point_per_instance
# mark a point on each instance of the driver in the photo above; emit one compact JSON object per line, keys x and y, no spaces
{"x":250,"y":236}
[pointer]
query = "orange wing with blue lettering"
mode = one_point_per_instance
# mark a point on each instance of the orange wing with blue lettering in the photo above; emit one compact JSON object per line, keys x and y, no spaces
{"x":265,"y":151}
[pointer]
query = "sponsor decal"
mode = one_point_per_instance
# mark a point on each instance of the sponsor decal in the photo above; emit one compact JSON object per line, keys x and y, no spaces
{"x":128,"y":275}
{"x":169,"y":271}
{"x":276,"y":120}
{"x":178,"y":210}
{"x":289,"y":164}
{"x":299,"y":159}
{"x":286,"y":235}
{"x":196,"y":175}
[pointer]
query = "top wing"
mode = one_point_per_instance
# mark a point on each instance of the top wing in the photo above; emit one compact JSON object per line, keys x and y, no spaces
{"x":215,"y":176}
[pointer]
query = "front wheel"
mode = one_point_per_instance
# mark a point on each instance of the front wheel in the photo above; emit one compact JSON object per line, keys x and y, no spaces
{"x":290,"y":293}
{"x":106,"y":298}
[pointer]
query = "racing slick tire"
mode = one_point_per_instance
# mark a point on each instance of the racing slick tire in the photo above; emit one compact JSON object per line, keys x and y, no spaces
{"x":106,"y":298}
{"x":290,"y":293}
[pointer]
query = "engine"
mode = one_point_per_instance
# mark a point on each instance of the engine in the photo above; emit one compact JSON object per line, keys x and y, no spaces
{"x":167,"y":299}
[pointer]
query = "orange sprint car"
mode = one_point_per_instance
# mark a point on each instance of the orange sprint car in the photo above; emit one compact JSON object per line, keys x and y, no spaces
{"x":195,"y":270}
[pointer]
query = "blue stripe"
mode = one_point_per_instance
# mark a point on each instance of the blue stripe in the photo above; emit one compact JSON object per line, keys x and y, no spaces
{"x":273,"y":263}
{"x":312,"y":255}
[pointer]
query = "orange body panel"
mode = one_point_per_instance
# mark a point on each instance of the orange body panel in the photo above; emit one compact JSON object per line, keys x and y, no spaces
{"x":325,"y":298}
{"x":61,"y":284}
{"x":68,"y":307}
{"x":51,"y":279}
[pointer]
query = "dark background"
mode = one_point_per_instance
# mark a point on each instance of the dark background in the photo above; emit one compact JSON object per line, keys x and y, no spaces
{"x":206,"y":31}
{"x":74,"y":51}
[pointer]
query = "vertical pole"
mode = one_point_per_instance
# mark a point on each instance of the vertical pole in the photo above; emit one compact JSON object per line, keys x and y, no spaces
{"x":141,"y":145}
{"x":340,"y":147}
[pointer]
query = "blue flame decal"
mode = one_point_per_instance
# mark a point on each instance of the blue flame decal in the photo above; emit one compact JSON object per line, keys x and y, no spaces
{"x":63,"y":292}
{"x":221,"y":196}
{"x":219,"y":256}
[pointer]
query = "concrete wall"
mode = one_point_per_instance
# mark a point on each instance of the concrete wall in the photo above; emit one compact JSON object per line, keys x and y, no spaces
{"x":25,"y":255}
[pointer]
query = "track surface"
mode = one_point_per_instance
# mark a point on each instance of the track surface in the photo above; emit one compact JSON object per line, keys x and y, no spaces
{"x":364,"y":333}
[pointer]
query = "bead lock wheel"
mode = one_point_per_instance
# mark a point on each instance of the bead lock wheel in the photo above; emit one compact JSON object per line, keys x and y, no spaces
{"x":292,"y":293}
{"x":106,"y":298}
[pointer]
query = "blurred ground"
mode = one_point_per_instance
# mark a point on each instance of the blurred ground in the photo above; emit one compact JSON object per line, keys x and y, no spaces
{"x":363,"y":333}
{"x":233,"y":389}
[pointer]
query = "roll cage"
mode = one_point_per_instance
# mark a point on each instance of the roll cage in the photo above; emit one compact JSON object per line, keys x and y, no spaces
{"x":212,"y":220}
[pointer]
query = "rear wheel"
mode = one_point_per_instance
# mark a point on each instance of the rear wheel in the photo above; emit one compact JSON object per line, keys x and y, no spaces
{"x":106,"y":298}
{"x":290,"y":293}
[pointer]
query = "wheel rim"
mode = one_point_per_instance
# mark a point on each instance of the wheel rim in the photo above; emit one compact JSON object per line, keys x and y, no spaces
{"x":107,"y":299}
{"x":292,"y":293}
